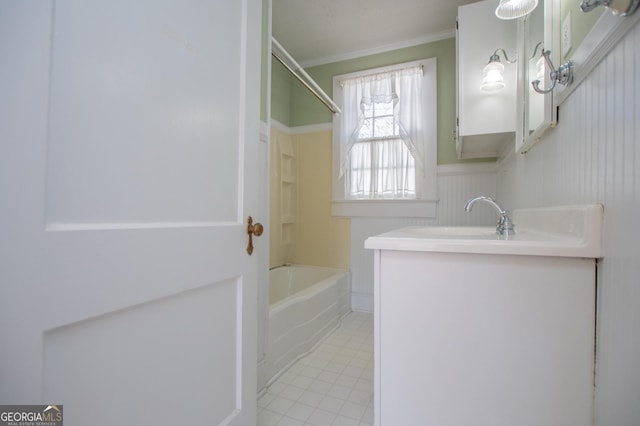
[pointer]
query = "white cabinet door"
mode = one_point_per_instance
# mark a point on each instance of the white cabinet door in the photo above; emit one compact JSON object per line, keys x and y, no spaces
{"x":129,"y":133}
{"x":483,"y":339}
{"x":486,"y":121}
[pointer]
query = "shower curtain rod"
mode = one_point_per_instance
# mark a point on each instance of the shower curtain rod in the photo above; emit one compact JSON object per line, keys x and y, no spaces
{"x":277,"y":50}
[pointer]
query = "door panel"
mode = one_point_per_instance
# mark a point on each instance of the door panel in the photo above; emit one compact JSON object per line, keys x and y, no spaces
{"x":158,"y":82}
{"x":93,"y":272}
{"x":148,"y":351}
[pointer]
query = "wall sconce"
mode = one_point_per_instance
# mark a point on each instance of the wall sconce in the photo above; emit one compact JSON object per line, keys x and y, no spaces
{"x":493,"y":73}
{"x":618,"y":7}
{"x":513,"y":9}
{"x":562,"y":75}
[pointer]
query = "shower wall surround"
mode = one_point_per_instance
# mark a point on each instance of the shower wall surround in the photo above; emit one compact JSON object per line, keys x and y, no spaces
{"x":282,"y":198}
{"x":303,"y":230}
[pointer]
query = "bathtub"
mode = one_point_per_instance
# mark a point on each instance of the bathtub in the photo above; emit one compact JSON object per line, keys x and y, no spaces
{"x":305,"y":304}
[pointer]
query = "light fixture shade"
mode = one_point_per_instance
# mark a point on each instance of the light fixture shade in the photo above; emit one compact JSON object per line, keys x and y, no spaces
{"x":492,"y":77}
{"x":513,"y":9}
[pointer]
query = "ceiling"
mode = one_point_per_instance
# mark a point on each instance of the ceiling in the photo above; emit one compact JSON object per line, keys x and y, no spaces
{"x":322,"y":31}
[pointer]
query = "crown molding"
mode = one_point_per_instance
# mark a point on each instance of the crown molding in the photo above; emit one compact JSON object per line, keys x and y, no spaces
{"x":379,"y":49}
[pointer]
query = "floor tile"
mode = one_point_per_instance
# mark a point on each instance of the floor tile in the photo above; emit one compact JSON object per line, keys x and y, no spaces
{"x":345,"y":421}
{"x":311,"y":398}
{"x":332,"y":404}
{"x":288,"y":421}
{"x":321,"y":417}
{"x":300,"y":411}
{"x":280,"y":405}
{"x":352,"y":410}
{"x":291,"y":392}
{"x":268,"y":418}
{"x":331,"y":386}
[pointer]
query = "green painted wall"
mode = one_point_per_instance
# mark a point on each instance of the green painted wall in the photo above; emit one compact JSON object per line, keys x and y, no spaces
{"x":281,"y":83}
{"x":304,"y":109}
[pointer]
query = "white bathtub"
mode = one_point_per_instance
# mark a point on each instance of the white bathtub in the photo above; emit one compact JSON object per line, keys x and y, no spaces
{"x":305,"y":304}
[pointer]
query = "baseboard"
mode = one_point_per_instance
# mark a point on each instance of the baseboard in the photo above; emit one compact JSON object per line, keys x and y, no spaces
{"x":362,"y":302}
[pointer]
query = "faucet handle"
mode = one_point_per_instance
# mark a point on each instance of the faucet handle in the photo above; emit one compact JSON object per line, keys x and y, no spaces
{"x":505,"y":224}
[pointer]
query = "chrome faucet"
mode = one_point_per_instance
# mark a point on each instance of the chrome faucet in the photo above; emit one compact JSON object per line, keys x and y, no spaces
{"x":505,"y":225}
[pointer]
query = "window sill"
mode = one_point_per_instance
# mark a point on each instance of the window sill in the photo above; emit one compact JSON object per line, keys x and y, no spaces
{"x":384,"y":208}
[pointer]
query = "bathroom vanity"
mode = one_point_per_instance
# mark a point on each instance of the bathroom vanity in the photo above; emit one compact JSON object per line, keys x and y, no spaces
{"x":474,"y":329}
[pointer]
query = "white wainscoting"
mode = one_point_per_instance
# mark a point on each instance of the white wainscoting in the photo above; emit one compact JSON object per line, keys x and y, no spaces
{"x":593,"y":157}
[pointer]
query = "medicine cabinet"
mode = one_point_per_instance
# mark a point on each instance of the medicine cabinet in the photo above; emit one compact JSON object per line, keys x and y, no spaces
{"x":486,"y":122}
{"x":489,"y":123}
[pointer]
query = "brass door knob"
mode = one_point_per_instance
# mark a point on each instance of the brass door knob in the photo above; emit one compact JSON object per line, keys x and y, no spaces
{"x":253,"y":229}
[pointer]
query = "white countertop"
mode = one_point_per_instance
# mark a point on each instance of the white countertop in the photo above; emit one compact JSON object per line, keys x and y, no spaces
{"x":565,"y":231}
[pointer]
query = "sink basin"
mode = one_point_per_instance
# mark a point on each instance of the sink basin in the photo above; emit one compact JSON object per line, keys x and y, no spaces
{"x":565,"y":231}
{"x":468,"y":232}
{"x":456,"y":231}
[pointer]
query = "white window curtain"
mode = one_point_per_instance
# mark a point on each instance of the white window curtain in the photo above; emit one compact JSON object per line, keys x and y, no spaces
{"x":398,"y":166}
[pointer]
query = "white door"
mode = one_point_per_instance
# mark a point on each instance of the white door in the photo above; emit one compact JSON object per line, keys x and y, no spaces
{"x":128,"y":136}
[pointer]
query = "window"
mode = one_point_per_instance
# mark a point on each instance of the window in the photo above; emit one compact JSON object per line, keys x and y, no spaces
{"x":385,"y":138}
{"x":379,"y":163}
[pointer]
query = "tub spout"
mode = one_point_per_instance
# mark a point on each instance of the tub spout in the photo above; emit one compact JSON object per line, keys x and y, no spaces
{"x":505,"y":225}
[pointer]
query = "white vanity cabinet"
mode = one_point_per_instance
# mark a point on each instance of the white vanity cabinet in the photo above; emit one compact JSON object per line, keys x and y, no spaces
{"x":483,"y":340}
{"x":474,"y":330}
{"x":486,"y":121}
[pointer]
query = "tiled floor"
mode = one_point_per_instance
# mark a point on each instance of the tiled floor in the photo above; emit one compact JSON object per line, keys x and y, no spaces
{"x":332,"y":386}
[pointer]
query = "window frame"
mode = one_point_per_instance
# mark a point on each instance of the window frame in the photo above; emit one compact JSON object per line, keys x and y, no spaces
{"x":424,"y":205}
